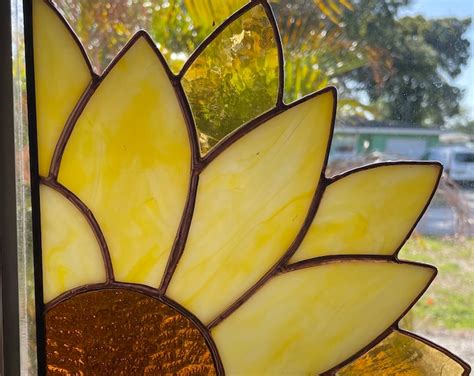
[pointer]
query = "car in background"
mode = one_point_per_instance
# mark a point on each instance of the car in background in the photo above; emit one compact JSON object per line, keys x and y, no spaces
{"x":458,"y":162}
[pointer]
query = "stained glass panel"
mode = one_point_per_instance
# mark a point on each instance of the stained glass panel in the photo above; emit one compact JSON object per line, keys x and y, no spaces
{"x":245,"y":259}
{"x":235,"y":78}
{"x":194,"y":21}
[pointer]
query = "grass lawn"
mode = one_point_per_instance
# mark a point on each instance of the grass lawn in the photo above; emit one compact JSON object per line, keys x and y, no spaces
{"x":449,"y":302}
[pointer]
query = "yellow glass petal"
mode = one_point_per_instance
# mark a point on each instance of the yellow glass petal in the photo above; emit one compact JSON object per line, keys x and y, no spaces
{"x":129,"y":160}
{"x":235,"y":78}
{"x":307,"y":321}
{"x":61,"y":76}
{"x":403,"y":355}
{"x":251,"y":202}
{"x":370,"y":211}
{"x":71,"y":254}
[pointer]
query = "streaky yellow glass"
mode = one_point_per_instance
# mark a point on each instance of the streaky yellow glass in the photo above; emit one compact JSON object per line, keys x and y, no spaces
{"x":129,"y":160}
{"x":251,"y":202}
{"x":235,"y":78}
{"x":71,"y":254}
{"x":61,"y":76}
{"x":308,"y":321}
{"x":403,"y":355}
{"x":369,"y":211}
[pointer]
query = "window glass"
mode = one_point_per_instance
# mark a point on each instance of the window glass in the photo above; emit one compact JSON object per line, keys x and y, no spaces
{"x":403,"y":71}
{"x":24,"y":220}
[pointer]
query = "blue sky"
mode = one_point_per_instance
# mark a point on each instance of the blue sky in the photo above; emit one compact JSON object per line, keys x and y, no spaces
{"x":452,"y":8}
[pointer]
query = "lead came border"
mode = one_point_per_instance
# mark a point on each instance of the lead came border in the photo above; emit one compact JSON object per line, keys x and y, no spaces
{"x":282,"y":264}
{"x":34,"y":186}
{"x":89,"y":216}
{"x":237,"y":135}
{"x":198,"y":163}
{"x":150,"y":292}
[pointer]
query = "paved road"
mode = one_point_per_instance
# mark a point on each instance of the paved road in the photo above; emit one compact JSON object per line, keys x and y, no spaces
{"x":440,"y":220}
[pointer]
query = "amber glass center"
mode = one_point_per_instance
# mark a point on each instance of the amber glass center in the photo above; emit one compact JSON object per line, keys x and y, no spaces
{"x":123,"y":332}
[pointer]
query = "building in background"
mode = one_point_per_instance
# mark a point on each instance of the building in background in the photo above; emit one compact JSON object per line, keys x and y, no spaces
{"x":355,"y":137}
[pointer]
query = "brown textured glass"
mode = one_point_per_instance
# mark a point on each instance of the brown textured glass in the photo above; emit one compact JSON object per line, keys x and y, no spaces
{"x":123,"y":332}
{"x":402,"y":355}
{"x":235,"y":79}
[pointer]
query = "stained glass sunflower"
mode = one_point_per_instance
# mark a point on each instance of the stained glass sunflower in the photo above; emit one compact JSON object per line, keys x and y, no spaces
{"x":247,"y":260}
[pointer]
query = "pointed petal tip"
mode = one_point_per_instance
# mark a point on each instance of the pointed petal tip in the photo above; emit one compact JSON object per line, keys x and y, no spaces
{"x":137,"y":39}
{"x":430,"y":273}
{"x":327,"y":91}
{"x":140,"y":35}
{"x":49,"y":4}
{"x":436,"y":165}
{"x":430,"y":270}
{"x":398,"y":283}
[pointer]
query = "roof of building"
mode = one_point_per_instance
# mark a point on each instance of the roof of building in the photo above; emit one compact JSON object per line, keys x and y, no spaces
{"x":357,"y":125}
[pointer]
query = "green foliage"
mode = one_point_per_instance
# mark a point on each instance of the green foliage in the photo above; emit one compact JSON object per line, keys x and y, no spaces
{"x":179,"y":26}
{"x":445,"y":305}
{"x":179,"y":40}
{"x":317,"y":49}
{"x":466,"y":126}
{"x":425,"y":56}
{"x":105,"y":26}
{"x":402,"y":67}
{"x":449,"y":311}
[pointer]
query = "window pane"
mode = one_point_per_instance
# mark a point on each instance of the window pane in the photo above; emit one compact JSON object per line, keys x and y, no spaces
{"x":176,"y":201}
{"x":24,"y":227}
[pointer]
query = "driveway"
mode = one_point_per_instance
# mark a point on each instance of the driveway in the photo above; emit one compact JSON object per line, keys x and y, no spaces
{"x":441,"y":219}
